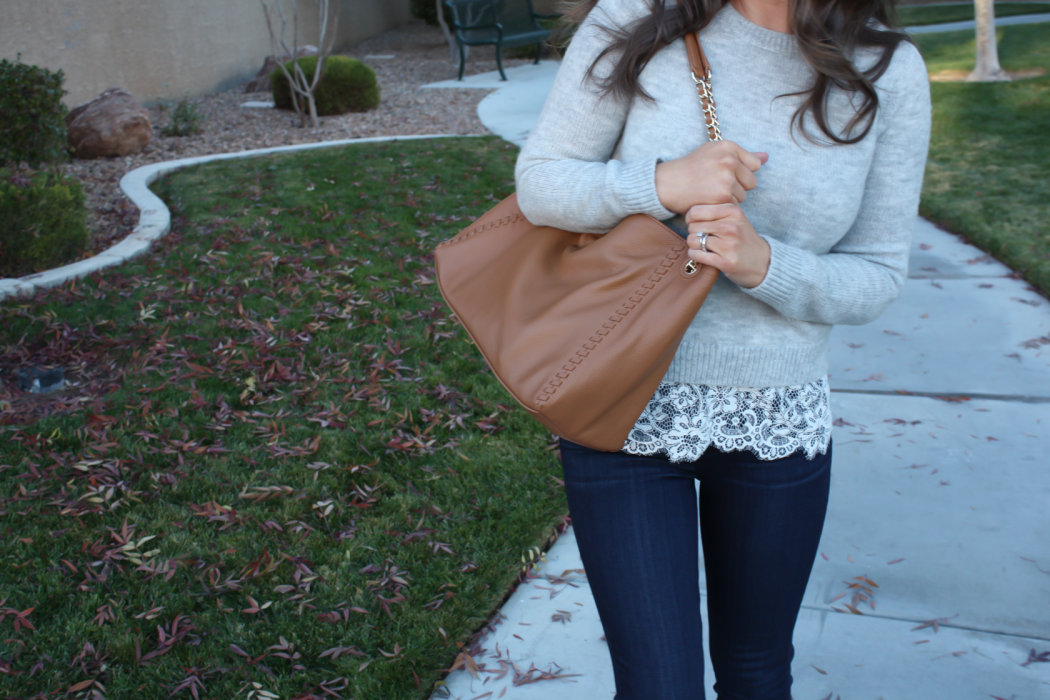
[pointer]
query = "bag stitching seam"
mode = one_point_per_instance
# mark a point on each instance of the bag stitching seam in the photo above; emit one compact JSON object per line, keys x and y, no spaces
{"x":575,"y":360}
{"x":505,"y":221}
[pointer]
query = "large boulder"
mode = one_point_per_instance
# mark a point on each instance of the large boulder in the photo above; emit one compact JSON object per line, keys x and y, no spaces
{"x":261,"y":81}
{"x":112,"y":124}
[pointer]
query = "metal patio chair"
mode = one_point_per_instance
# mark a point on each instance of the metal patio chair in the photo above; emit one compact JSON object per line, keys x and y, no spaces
{"x":502,"y":23}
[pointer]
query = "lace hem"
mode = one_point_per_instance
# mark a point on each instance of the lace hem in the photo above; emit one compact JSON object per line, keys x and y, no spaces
{"x":682,"y":420}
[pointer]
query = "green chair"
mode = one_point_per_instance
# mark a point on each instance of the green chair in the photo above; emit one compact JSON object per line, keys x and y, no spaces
{"x":499,"y":22}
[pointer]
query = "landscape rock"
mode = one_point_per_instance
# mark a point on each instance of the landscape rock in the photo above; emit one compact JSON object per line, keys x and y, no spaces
{"x":261,"y":81}
{"x":112,"y":124}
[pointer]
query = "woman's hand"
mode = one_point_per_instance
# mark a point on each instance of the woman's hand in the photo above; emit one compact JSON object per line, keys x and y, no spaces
{"x":732,"y":244}
{"x":719,"y":172}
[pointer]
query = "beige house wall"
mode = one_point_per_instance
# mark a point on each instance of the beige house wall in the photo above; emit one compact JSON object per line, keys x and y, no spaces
{"x":166,"y":49}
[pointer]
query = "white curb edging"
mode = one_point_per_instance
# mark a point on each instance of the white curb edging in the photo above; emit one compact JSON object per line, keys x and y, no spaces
{"x":971,"y":24}
{"x":155,"y":218}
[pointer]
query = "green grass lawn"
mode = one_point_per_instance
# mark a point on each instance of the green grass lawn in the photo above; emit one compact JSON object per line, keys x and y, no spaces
{"x":987,"y":176}
{"x":280,"y":463}
{"x":281,"y":467}
{"x":936,"y":14}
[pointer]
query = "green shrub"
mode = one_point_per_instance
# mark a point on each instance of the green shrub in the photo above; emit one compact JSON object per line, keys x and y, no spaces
{"x":43,"y":222}
{"x":186,"y":120}
{"x":426,"y":10}
{"x":32,"y":116}
{"x":346,"y":86}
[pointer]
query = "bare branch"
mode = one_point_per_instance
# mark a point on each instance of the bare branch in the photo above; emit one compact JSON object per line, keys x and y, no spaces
{"x":322,"y":53}
{"x":301,"y":87}
{"x":275,"y":46}
{"x":449,"y":37}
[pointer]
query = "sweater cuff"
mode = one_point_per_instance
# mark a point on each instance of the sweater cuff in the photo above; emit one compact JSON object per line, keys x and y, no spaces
{"x":786,"y":265}
{"x":638,"y":189}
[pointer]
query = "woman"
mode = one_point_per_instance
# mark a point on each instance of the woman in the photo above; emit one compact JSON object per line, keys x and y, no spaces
{"x":807,"y":209}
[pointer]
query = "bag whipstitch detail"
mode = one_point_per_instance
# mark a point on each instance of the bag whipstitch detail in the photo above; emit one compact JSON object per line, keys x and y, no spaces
{"x":496,"y":223}
{"x":614,"y":320}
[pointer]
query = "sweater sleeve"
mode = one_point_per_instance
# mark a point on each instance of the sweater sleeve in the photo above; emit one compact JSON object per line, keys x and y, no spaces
{"x":564,"y":174}
{"x":864,"y":272}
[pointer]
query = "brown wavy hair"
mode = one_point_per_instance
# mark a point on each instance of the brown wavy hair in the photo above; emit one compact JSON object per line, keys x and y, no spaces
{"x":828,"y":32}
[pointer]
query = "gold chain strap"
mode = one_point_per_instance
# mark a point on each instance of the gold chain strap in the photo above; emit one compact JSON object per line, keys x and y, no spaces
{"x":707,"y":102}
{"x":707,"y":99}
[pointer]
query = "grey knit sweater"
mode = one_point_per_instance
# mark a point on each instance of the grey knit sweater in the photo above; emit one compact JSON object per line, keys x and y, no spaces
{"x":838,"y":219}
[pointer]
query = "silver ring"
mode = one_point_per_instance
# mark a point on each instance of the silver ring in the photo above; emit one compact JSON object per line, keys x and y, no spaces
{"x":703,"y":240}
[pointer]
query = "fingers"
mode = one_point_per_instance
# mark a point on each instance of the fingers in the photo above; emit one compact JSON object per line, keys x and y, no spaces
{"x":740,"y":166}
{"x":708,"y":259}
{"x":722,"y":251}
{"x":697,"y":242}
{"x":732,"y":244}
{"x":723,"y":232}
{"x":710,"y":212}
{"x":745,"y":266}
{"x":746,"y":177}
{"x":752,"y":161}
{"x":718,"y":172}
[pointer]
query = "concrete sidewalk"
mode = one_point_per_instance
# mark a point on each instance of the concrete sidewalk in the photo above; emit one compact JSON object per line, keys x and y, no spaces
{"x":940,"y":494}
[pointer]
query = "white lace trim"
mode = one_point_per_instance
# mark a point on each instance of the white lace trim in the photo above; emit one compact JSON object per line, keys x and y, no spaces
{"x":683,"y":420}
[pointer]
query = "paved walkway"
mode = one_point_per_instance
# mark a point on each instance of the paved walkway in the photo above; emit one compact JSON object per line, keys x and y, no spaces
{"x":940,"y":495}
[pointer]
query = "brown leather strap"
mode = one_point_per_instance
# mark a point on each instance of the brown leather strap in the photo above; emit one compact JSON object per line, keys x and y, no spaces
{"x":702,"y":77}
{"x":697,"y":58}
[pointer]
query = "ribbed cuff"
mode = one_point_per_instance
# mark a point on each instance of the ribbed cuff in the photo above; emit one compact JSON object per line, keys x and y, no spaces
{"x":786,"y":268}
{"x":748,"y":365}
{"x":638,"y":189}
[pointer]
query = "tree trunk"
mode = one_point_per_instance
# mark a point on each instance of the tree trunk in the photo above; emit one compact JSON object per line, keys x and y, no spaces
{"x":987,"y":68}
{"x":448,"y":34}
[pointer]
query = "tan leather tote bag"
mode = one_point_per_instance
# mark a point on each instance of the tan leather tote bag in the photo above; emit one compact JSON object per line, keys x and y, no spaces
{"x":580,"y":328}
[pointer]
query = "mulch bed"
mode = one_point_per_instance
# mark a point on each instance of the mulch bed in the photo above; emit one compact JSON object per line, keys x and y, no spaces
{"x":420,"y":56}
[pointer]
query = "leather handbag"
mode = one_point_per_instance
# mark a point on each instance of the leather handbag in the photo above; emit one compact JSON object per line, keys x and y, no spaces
{"x":580,"y":328}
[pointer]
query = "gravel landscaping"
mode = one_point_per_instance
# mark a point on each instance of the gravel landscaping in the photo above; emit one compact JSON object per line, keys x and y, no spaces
{"x":420,"y":56}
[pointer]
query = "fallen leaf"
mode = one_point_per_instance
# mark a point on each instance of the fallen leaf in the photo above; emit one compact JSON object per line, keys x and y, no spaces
{"x":1040,"y":658}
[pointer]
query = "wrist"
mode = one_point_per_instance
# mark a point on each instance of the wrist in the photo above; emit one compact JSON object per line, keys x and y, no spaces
{"x":760,"y":265}
{"x":664,"y":179}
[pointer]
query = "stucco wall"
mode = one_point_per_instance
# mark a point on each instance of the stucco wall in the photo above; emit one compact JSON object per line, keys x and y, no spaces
{"x":165,"y":49}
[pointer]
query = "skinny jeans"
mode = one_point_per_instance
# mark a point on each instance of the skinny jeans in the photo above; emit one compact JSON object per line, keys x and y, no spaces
{"x":635,"y":520}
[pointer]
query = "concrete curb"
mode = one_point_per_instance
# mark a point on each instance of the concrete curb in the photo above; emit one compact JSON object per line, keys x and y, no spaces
{"x":155,"y":219}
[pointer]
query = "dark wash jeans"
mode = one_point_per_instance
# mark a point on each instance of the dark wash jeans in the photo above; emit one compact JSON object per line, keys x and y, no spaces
{"x":635,"y":519}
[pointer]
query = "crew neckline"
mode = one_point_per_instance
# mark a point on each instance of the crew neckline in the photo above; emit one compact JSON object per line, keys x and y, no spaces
{"x":730,"y":20}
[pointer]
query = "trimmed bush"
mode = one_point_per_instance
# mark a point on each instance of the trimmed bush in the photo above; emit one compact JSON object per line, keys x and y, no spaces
{"x":346,"y":86}
{"x":426,"y":10}
{"x":32,"y":116}
{"x":43,"y":222}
